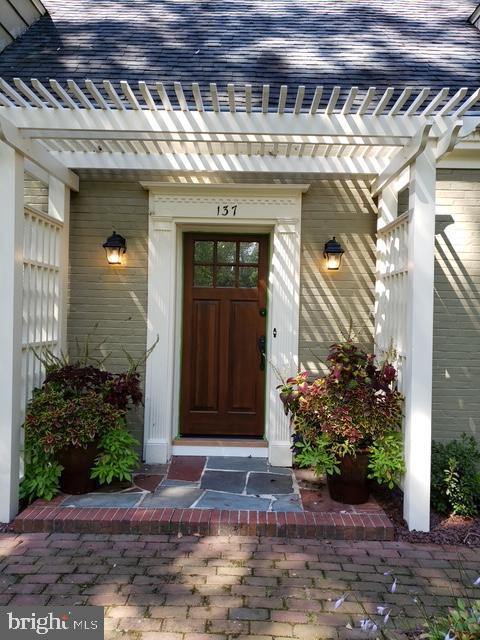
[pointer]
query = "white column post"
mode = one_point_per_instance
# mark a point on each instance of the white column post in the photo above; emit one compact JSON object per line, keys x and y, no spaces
{"x":161,"y":300}
{"x":283,"y":339}
{"x":11,"y":265}
{"x":418,"y":379}
{"x":59,"y":209}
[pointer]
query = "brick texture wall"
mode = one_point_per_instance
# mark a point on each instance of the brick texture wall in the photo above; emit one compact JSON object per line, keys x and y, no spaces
{"x":456,"y":366}
{"x":108,"y":302}
{"x":330,"y":299}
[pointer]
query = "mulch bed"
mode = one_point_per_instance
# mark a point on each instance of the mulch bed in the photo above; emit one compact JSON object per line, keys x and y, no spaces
{"x":443,"y":529}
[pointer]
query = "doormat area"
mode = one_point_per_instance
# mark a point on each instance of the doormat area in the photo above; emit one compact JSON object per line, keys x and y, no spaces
{"x":214,"y":495}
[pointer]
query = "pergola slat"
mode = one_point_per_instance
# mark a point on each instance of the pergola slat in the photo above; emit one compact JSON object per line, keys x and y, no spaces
{"x":366,"y":101}
{"x":282,"y":98}
{"x":147,"y":96}
{"x":452,"y":103}
{"x":384,"y":100}
{"x":113,"y":95}
{"x":165,"y":100}
{"x":231,"y":97}
{"x":299,"y":99}
{"x":248,"y":98}
{"x":265,"y":98}
{"x":10,"y":91}
{"x":438,"y":99}
{"x":129,"y":95}
{"x":60,"y":91}
{"x":419,"y":100}
{"x":96,"y":95}
{"x":332,"y":102}
{"x":21,"y":86}
{"x":82,"y":98}
{"x":214,"y":97}
{"x":347,"y":107}
{"x":197,"y":96}
{"x":402,"y":99}
{"x":474,"y":98}
{"x":43,"y":91}
{"x":317,"y":96}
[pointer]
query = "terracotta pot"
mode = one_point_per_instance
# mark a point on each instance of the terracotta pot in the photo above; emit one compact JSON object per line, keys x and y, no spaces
{"x":351,"y":486}
{"x":77,"y":464}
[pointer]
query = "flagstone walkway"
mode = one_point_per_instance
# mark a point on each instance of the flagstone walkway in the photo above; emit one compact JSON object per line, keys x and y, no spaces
{"x":158,"y":587}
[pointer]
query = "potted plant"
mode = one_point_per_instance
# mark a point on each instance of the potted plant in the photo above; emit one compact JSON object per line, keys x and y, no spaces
{"x":76,"y":430}
{"x":347,"y":424}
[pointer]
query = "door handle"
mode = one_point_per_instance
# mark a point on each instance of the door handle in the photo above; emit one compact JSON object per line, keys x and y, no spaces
{"x":262,"y":343}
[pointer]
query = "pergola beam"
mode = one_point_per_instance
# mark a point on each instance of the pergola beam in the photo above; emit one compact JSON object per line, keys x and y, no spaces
{"x":319,"y":124}
{"x":402,"y":159}
{"x":36,"y":154}
{"x":199,"y":163}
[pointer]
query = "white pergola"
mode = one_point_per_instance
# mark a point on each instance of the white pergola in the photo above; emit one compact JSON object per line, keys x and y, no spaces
{"x":393,"y":139}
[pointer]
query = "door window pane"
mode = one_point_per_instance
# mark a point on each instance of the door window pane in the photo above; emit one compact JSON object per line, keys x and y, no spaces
{"x":225,"y":276}
{"x":202,"y":276}
{"x":203,"y":251}
{"x":249,"y":252}
{"x":248,"y":277}
{"x":226,"y":252}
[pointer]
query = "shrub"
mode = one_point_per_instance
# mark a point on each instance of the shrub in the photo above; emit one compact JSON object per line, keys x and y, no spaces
{"x":455,"y":477}
{"x":462,"y":622}
{"x":77,"y":405}
{"x":354,"y":408}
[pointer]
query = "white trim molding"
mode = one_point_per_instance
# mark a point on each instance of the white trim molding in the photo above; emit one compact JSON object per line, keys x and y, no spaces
{"x":175,"y":208}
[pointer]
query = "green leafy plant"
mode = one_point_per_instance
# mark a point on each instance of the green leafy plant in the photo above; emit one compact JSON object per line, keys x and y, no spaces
{"x":42,"y":476}
{"x":355,"y":408}
{"x":386,"y":464}
{"x":117,"y":458}
{"x":78,"y":404}
{"x":317,"y":455}
{"x":462,"y":622}
{"x":456,"y":477}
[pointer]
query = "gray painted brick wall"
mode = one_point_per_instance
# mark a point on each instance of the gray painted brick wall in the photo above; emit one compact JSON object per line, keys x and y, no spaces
{"x":456,"y":365}
{"x":109,"y":302}
{"x":329,"y":299}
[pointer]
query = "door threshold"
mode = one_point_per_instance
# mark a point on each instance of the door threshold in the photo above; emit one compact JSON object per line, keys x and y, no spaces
{"x":225,"y":447}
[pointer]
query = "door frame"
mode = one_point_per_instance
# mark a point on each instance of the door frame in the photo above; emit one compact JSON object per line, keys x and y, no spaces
{"x":176,"y":208}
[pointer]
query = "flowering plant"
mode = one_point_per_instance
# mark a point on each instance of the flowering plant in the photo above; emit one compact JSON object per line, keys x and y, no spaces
{"x":355,"y":407}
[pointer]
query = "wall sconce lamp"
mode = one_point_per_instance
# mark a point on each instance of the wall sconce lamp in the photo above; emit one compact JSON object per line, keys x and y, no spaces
{"x":115,"y":246}
{"x":333,"y":253}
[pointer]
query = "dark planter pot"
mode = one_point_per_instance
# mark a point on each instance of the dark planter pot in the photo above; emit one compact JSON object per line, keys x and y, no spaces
{"x":351,"y":486}
{"x":77,"y":464}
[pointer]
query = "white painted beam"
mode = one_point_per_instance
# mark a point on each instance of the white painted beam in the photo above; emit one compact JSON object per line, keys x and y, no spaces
{"x":34,"y":152}
{"x":196,"y":163}
{"x":418,"y":377}
{"x":402,"y":159}
{"x":221,"y":122}
{"x":11,"y":265}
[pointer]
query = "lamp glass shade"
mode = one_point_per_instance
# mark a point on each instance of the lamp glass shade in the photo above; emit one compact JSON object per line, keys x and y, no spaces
{"x":115,"y":246}
{"x":333,"y":254}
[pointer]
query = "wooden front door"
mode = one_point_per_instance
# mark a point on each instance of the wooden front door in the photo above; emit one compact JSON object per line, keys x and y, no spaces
{"x":224,"y":327}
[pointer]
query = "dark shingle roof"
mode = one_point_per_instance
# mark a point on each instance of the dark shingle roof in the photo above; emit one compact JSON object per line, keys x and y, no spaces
{"x":329,"y":42}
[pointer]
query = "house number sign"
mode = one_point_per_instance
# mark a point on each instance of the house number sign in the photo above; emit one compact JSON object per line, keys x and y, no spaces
{"x":225,"y":210}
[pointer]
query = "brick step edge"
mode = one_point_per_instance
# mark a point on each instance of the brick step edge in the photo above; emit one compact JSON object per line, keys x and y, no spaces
{"x":337,"y":526}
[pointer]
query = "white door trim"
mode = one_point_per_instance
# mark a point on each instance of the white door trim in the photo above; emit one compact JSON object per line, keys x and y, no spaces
{"x":174,"y":208}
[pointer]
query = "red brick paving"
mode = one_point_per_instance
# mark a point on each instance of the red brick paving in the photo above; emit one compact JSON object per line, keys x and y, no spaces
{"x":50,"y":517}
{"x":147,"y":481}
{"x":159,"y":587}
{"x":188,"y":468}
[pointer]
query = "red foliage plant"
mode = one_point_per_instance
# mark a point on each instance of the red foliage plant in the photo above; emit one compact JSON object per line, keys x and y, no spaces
{"x":355,"y":403}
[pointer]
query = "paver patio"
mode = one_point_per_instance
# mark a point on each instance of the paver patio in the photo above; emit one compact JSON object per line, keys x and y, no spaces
{"x":213,"y":588}
{"x":211,"y":495}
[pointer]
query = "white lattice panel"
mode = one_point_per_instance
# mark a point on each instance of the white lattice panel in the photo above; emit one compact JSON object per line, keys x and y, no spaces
{"x":41,"y":295}
{"x":391,"y":290}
